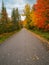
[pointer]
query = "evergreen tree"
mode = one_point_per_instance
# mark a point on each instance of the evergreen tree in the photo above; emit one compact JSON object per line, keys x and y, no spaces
{"x":15,"y":18}
{"x":4,"y":15}
{"x":4,"y":18}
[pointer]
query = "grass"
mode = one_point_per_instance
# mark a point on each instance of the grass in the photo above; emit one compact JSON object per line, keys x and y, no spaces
{"x":4,"y":36}
{"x":42,"y":34}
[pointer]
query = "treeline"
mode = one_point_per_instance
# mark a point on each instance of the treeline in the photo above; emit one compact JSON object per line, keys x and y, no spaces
{"x":9,"y":24}
{"x":37,"y":17}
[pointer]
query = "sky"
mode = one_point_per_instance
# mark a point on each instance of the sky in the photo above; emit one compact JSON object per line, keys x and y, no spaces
{"x":10,"y":4}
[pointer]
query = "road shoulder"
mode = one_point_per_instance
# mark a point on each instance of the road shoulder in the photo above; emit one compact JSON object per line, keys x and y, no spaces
{"x":44,"y":41}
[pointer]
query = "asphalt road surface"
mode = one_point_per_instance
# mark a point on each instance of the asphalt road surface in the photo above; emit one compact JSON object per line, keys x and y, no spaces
{"x":23,"y":48}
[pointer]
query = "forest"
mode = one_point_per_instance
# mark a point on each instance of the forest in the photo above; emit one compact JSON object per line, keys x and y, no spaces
{"x":37,"y":19}
{"x":9,"y":24}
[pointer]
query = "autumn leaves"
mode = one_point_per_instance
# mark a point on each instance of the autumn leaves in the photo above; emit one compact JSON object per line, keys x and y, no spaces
{"x":38,"y":16}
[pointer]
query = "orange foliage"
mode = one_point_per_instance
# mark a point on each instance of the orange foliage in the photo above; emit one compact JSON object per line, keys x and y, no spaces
{"x":41,"y":13}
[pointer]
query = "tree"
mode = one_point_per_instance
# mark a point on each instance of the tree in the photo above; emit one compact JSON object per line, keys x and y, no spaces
{"x":15,"y":18}
{"x":41,"y":14}
{"x":4,"y":15}
{"x":4,"y":18}
{"x":27,"y":14}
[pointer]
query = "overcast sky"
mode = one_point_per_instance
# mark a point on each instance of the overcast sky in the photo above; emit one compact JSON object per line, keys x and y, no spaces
{"x":16,"y":3}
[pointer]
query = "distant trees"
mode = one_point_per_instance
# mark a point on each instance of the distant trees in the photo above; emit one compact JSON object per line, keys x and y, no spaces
{"x":27,"y":14}
{"x":36,"y":17}
{"x":9,"y":24}
{"x":15,"y":18}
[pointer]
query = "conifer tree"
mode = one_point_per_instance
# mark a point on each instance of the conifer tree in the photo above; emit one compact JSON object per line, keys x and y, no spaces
{"x":4,"y":18}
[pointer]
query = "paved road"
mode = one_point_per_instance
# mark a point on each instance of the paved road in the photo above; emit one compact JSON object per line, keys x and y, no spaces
{"x":23,"y":48}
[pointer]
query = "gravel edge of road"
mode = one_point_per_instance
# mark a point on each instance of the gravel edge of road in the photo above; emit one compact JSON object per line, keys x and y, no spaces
{"x":9,"y":38}
{"x":44,"y":41}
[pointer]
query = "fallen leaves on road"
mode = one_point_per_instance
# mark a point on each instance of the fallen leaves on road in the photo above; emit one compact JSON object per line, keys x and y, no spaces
{"x":35,"y":57}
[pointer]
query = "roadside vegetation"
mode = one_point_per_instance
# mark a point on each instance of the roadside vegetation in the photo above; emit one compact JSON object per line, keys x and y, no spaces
{"x":5,"y":36}
{"x":8,"y":25}
{"x":45,"y":35}
{"x":37,"y":18}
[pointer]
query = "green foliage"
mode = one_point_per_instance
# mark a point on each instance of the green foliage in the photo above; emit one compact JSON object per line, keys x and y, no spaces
{"x":3,"y":19}
{"x":5,"y":36}
{"x":15,"y":18}
{"x":9,"y":24}
{"x":4,"y":16}
{"x":41,"y":33}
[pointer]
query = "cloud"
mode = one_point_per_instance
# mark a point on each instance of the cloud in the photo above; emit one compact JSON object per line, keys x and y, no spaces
{"x":10,"y":4}
{"x":22,"y":18}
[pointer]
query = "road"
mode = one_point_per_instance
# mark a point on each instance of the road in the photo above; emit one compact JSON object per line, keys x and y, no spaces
{"x":23,"y":48}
